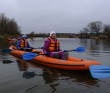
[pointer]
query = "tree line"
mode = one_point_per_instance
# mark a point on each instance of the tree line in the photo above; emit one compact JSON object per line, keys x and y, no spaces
{"x":95,"y":29}
{"x":44,"y":35}
{"x":8,"y":27}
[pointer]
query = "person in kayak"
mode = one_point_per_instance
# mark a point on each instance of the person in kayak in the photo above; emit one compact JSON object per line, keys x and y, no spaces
{"x":52,"y":45}
{"x":23,"y":43}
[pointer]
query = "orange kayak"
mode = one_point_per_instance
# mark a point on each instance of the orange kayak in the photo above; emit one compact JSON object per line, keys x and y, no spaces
{"x":70,"y":64}
{"x":12,"y":39}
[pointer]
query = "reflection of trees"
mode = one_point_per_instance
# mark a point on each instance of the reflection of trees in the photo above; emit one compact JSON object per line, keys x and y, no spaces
{"x":95,"y":46}
{"x":5,"y":44}
{"x":90,"y":43}
{"x":106,"y":45}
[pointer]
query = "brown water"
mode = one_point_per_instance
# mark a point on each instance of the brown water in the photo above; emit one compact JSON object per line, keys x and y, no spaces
{"x":18,"y":76}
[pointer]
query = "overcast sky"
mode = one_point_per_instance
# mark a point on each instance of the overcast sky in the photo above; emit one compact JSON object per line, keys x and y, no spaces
{"x":65,"y":16}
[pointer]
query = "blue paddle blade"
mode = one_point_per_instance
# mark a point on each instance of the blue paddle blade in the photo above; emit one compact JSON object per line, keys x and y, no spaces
{"x":29,"y":56}
{"x":80,"y":49}
{"x":99,"y":71}
{"x":6,"y":50}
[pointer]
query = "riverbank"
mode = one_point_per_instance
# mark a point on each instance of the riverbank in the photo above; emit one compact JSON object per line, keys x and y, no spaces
{"x":6,"y":37}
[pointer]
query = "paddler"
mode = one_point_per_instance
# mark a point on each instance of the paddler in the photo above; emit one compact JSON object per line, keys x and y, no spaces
{"x":52,"y":45}
{"x":23,"y":43}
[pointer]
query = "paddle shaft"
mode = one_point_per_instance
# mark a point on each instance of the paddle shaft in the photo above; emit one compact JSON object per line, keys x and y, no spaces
{"x":8,"y":50}
{"x":70,"y":50}
{"x":64,"y":51}
{"x":33,"y":48}
{"x":28,"y":56}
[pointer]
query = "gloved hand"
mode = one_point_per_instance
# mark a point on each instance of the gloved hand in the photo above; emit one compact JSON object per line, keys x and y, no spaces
{"x":18,"y":48}
{"x":24,"y":49}
{"x":46,"y":53}
{"x":41,"y":47}
{"x":65,"y":51}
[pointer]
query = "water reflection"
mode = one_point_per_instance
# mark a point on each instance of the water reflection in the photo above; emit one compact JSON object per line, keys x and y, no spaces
{"x":53,"y":86}
{"x":80,"y":77}
{"x":28,"y":75}
{"x":98,"y":48}
{"x":51,"y":75}
{"x":7,"y":61}
{"x":96,"y":44}
{"x":23,"y":66}
{"x":6,"y":44}
{"x":95,"y":49}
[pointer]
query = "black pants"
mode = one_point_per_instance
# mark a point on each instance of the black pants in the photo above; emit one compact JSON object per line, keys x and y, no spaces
{"x":65,"y":56}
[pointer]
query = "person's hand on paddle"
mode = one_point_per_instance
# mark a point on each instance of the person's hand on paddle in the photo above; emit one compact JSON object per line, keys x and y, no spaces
{"x":37,"y":48}
{"x":65,"y":51}
{"x":46,"y":53}
{"x":24,"y":49}
{"x":21,"y":49}
{"x":41,"y":47}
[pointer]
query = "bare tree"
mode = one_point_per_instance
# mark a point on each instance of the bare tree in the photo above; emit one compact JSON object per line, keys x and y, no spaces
{"x":93,"y":27}
{"x":8,"y":26}
{"x":32,"y":33}
{"x":107,"y":30}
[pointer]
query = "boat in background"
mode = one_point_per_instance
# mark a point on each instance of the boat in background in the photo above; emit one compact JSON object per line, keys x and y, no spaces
{"x":12,"y":39}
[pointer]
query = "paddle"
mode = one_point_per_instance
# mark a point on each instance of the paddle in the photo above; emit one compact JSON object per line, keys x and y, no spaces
{"x":38,"y":48}
{"x":99,"y":71}
{"x":29,"y":56}
{"x":8,"y":50}
{"x":79,"y":49}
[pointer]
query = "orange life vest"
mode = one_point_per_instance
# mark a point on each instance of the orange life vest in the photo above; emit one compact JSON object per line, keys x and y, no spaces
{"x":23,"y":43}
{"x":53,"y":46}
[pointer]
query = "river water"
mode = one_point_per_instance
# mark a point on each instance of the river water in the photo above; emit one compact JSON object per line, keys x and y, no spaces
{"x":18,"y":76}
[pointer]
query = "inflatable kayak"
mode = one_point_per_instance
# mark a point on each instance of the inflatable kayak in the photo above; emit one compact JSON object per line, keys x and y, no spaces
{"x":70,"y":64}
{"x":12,"y":39}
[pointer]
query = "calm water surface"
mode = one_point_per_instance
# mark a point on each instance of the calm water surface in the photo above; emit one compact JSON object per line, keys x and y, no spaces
{"x":18,"y":76}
